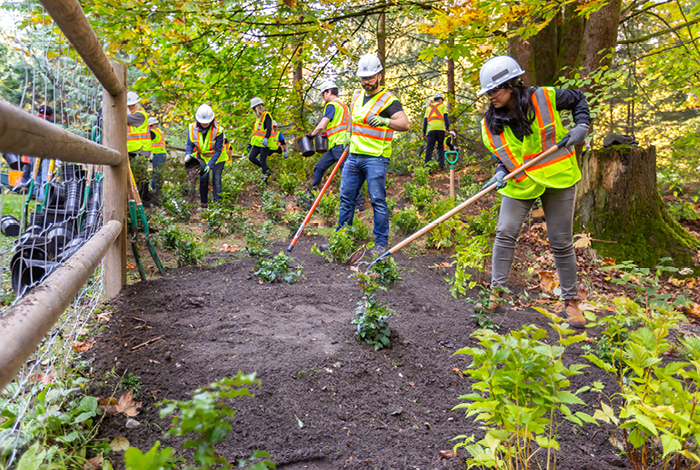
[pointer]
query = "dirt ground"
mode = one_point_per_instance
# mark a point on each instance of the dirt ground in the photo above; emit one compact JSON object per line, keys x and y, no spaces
{"x":361,"y":408}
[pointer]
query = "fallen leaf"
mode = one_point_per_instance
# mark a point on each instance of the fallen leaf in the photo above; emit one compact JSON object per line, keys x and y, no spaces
{"x":94,"y":463}
{"x":694,"y":309}
{"x":127,"y":406}
{"x":457,"y":371}
{"x":676,"y":282}
{"x":584,"y":240}
{"x":536,"y":213}
{"x":119,"y":443}
{"x":229,"y":248}
{"x":81,"y":346}
{"x":685,"y":272}
{"x":108,"y":405}
{"x":547,"y":281}
{"x":446,"y":454}
{"x":130,"y":265}
{"x":690,"y":283}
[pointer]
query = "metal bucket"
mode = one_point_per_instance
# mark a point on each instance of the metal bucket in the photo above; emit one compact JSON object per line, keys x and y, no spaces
{"x":321,"y":143}
{"x":306,"y":146}
{"x":9,"y":226}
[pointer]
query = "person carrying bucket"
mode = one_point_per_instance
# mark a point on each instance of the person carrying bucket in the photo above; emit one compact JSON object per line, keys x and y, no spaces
{"x":375,"y":113}
{"x":276,"y":142}
{"x":206,"y":138}
{"x":260,"y":139}
{"x":435,"y":123}
{"x":334,"y":123}
{"x":522,"y":122}
{"x":158,"y":152}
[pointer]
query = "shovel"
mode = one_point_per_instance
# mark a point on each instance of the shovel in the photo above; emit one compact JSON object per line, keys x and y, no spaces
{"x":142,"y":213}
{"x":318,"y":199}
{"x":49,"y":177}
{"x":135,"y":229}
{"x":86,"y":194}
{"x":25,"y":209}
{"x":470,"y":201}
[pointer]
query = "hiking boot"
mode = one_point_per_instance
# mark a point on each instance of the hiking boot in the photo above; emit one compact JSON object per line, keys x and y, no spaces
{"x":495,"y":302}
{"x":574,"y":314}
{"x":379,"y":250}
{"x":361,"y":208}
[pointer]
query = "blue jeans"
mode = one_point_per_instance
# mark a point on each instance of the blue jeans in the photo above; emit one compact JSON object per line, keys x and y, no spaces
{"x":358,"y":169}
{"x":216,"y":181}
{"x":327,"y":160}
{"x":158,"y":161}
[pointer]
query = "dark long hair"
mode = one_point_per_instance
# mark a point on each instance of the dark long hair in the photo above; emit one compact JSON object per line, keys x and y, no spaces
{"x":522,"y":116}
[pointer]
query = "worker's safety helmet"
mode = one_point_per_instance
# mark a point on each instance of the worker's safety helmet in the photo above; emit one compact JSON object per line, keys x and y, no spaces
{"x":438,"y":96}
{"x":274,"y":123}
{"x":369,"y":66}
{"x":497,"y":71}
{"x":255,"y":101}
{"x":205,"y":114}
{"x":328,"y":85}
{"x":131,"y":98}
{"x":152,"y":120}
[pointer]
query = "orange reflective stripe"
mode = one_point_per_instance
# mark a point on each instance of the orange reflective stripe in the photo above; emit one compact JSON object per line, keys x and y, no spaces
{"x":559,"y":158}
{"x":373,"y":132}
{"x":435,"y":114}
{"x":551,"y":126}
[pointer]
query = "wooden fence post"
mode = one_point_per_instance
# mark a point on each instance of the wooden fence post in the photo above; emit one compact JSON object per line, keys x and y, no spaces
{"x":114,"y":136}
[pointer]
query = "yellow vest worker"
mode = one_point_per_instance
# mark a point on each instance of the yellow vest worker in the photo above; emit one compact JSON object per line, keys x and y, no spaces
{"x":533,"y":126}
{"x":435,"y":123}
{"x":158,"y":152}
{"x":205,"y":139}
{"x":375,"y":115}
{"x":259,"y":141}
{"x":138,"y":137}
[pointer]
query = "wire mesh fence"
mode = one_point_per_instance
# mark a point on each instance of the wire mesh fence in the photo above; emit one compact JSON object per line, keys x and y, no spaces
{"x":49,"y":208}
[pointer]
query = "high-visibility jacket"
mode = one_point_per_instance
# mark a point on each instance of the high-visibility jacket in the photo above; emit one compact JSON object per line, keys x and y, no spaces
{"x":273,"y":141}
{"x":158,"y":144}
{"x":259,"y":130}
{"x":339,"y":124}
{"x":205,"y":146}
{"x":366,"y":139}
{"x":139,"y":138}
{"x":435,"y":114}
{"x":559,"y":170}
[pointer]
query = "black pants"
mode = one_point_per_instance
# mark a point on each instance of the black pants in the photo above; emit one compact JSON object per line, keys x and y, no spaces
{"x":262,"y":163}
{"x":436,"y":137}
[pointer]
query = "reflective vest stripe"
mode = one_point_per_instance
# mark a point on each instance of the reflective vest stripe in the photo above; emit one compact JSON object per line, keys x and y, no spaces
{"x":559,"y":155}
{"x":366,"y":139}
{"x":159,"y":143}
{"x":435,"y":114}
{"x":545,"y":120}
{"x":342,"y":125}
{"x":206,"y":148}
{"x":503,"y":152}
{"x":373,"y":132}
{"x":138,"y":136}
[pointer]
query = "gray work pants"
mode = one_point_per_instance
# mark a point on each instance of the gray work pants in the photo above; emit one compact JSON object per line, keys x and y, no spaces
{"x":558,"y":205}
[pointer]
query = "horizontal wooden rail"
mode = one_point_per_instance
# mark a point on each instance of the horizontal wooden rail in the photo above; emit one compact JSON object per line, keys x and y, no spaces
{"x":24,"y":134}
{"x":23,"y":326}
{"x":69,"y":16}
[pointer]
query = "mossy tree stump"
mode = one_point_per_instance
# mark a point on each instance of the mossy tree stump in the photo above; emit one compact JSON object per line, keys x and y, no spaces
{"x":617,"y":200}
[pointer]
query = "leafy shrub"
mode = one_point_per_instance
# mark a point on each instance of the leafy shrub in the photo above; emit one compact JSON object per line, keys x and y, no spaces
{"x":277,"y":269}
{"x":328,"y":207}
{"x":360,"y":231}
{"x":293,"y":221}
{"x":421,"y":173}
{"x":421,"y":196}
{"x":371,"y":314}
{"x":171,"y":199}
{"x":390,"y":204}
{"x":683,"y":210}
{"x":520,"y":393}
{"x":485,"y":223}
{"x":289,"y":182}
{"x":182,"y":242}
{"x":407,"y":221}
{"x":469,"y":262}
{"x":206,"y":421}
{"x":467,"y":188}
{"x":387,"y":271}
{"x":272,"y":205}
{"x":257,"y":240}
{"x":341,"y":246}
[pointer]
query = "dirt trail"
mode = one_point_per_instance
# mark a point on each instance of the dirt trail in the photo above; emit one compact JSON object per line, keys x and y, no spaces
{"x":361,"y":408}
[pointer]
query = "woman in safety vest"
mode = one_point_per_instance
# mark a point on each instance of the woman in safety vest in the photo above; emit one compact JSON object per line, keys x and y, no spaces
{"x":276,"y":142}
{"x":206,"y":138}
{"x":260,"y":139}
{"x":158,"y":152}
{"x":521,"y":123}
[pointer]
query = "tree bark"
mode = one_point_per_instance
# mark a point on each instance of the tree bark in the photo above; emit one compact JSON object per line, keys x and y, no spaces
{"x":297,"y":78}
{"x":451,"y":92}
{"x":381,"y":43}
{"x":617,"y":200}
{"x":546,"y":60}
{"x":523,"y":52}
{"x":600,"y":36}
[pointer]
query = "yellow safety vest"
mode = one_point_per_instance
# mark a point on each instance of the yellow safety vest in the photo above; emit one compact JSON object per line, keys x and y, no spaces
{"x":559,"y":170}
{"x":339,"y":124}
{"x":205,"y":145}
{"x":139,"y":138}
{"x":273,"y":141}
{"x":158,"y":144}
{"x":368,"y":140}
{"x":435,"y":114}
{"x":259,"y":130}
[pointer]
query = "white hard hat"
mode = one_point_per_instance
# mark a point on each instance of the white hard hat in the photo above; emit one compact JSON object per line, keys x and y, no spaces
{"x":497,"y":71}
{"x":131,"y":98}
{"x":438,"y":96}
{"x":274,"y":123}
{"x":255,"y":101}
{"x":328,"y":85}
{"x":452,"y":133}
{"x":152,"y":120}
{"x":205,"y":114}
{"x":369,"y":65}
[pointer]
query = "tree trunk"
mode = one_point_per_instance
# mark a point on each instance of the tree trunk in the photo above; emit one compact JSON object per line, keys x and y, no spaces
{"x":451,"y":76}
{"x":381,"y":43}
{"x":297,"y":79}
{"x":545,"y":60}
{"x":600,"y":36}
{"x":617,"y":200}
{"x":523,"y":52}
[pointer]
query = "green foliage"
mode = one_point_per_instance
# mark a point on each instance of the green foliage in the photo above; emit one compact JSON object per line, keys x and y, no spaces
{"x":421,"y":196}
{"x":328,"y":207}
{"x":257,"y":240}
{"x":470,"y":258}
{"x":387,"y":271}
{"x":683,"y":210}
{"x":293,"y":221}
{"x":407,"y":221}
{"x":220,"y":219}
{"x":520,"y":395}
{"x":277,"y":269}
{"x":289,"y":182}
{"x":182,"y":242}
{"x":171,"y":199}
{"x":341,"y":246}
{"x":657,"y":399}
{"x":272,"y":205}
{"x":360,"y":230}
{"x":205,"y":421}
{"x":485,"y":223}
{"x":131,"y":382}
{"x":467,"y":187}
{"x":370,"y":320}
{"x":421,"y":174}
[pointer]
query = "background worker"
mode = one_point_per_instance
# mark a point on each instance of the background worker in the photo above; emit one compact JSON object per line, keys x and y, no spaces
{"x":206,"y":138}
{"x":522,"y":122}
{"x":138,"y":142}
{"x":259,"y":141}
{"x":334,"y":122}
{"x":158,"y":152}
{"x":44,"y":112}
{"x":375,"y":114}
{"x":435,"y":123}
{"x":276,"y":143}
{"x":451,"y":140}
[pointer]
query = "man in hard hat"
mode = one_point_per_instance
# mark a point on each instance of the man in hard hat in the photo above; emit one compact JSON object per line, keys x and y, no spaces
{"x":138,"y":142}
{"x":375,"y":113}
{"x":206,"y":139}
{"x":334,"y":122}
{"x":158,"y":152}
{"x":260,"y":139}
{"x":435,"y":122}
